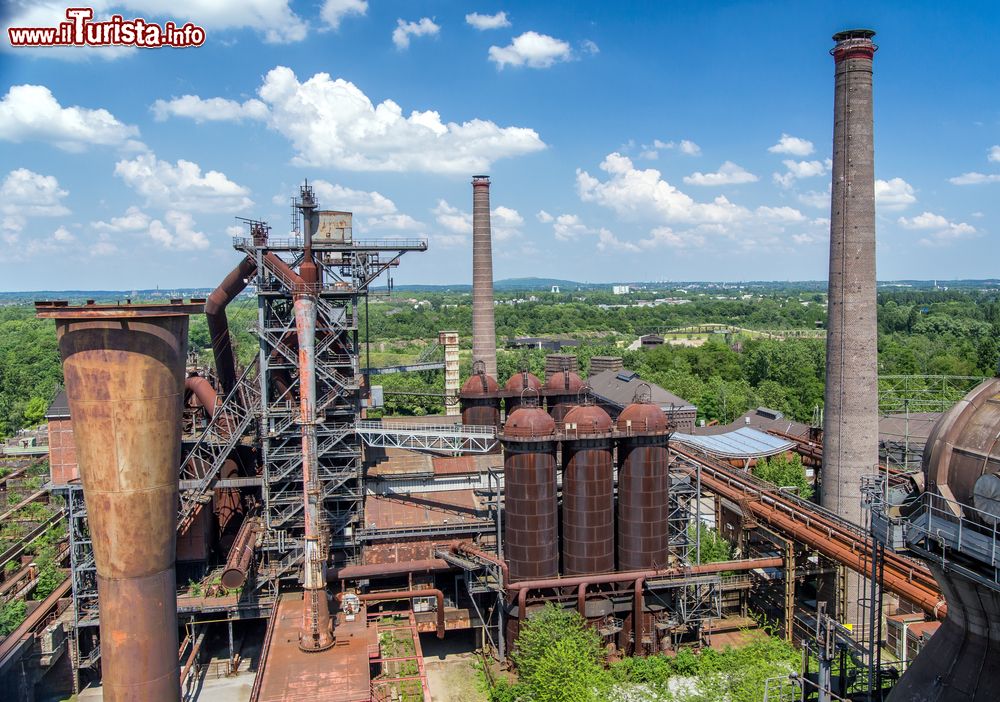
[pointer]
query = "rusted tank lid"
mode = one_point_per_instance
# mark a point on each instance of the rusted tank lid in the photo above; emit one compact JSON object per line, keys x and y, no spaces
{"x":642,"y":417}
{"x":589,"y":419}
{"x":567,"y":381}
{"x":60,"y":309}
{"x":523,"y":380}
{"x":528,"y":421}
{"x":479,"y":385}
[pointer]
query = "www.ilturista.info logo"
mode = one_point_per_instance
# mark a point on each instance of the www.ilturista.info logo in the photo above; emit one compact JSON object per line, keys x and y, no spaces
{"x":80,"y":30}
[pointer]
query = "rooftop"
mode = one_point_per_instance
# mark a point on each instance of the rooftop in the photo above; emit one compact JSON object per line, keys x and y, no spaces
{"x":618,"y":387}
{"x":740,"y":443}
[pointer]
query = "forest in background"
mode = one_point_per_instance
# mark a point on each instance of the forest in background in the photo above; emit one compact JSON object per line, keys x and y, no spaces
{"x":921,"y":331}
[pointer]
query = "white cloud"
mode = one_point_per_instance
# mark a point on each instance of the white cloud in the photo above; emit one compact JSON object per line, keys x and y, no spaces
{"x":635,"y":193}
{"x":568,"y":227}
{"x":210,"y":110}
{"x":800,"y":169}
{"x":178,"y":233}
{"x":32,"y":113}
{"x":25,"y":193}
{"x":134,"y":220}
{"x":404,"y":30}
{"x":994,"y":153}
{"x":780,"y":214}
{"x":104,"y":246}
{"x":590,"y":47}
{"x":63,"y":236}
{"x":728,"y":174}
{"x":543,"y":217}
{"x":182,"y":186}
{"x":685,"y":146}
{"x":667,"y":237}
{"x":894,"y":194}
{"x":334,"y":11}
{"x":484,"y":22}
{"x":397,"y":222}
{"x":607,"y":241}
{"x":506,"y":223}
{"x":453,"y":219}
{"x":941,"y":230}
{"x":531,"y":49}
{"x":689,"y":148}
{"x":974,"y":178}
{"x":360,"y":202}
{"x":793,"y":146}
{"x":816,"y":198}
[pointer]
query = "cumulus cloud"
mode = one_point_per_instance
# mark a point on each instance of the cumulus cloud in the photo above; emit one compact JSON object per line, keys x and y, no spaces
{"x":424,"y":27}
{"x":684,"y":146}
{"x":894,"y":194}
{"x":780,"y":214}
{"x":25,"y":193}
{"x":994,"y":153}
{"x":210,"y":110}
{"x":531,"y":49}
{"x":974,"y":178}
{"x":589,"y":47}
{"x":32,"y":113}
{"x":728,"y":174}
{"x":134,"y":220}
{"x":178,"y":233}
{"x":396,"y":222}
{"x":941,"y":231}
{"x":633,"y":192}
{"x":794,"y":146}
{"x":543,"y":217}
{"x":796,"y":170}
{"x":182,"y":185}
{"x":484,"y":22}
{"x":360,"y":202}
{"x":506,"y":223}
{"x":817,"y":198}
{"x":334,"y":11}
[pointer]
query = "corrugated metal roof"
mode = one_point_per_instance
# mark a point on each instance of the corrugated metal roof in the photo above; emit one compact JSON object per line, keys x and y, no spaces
{"x":741,"y":443}
{"x":617,"y":387}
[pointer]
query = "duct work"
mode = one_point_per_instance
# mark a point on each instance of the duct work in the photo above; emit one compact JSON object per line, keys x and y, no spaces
{"x":124,"y":374}
{"x":484,"y":333}
{"x":218,"y":324}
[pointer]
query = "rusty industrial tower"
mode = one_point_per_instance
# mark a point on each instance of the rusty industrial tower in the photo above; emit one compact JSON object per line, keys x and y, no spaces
{"x":484,"y":335}
{"x":850,"y":419}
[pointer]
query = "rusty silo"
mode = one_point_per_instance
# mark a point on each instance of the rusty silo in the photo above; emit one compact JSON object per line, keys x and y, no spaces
{"x":480,"y":398}
{"x":643,"y":487}
{"x":124,"y":374}
{"x":562,"y":390}
{"x":484,"y":331}
{"x":588,"y":500}
{"x":515,"y":387}
{"x":531,"y":545}
{"x":958,"y":516}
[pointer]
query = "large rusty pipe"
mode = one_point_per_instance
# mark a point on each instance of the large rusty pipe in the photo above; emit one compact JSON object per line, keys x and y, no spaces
{"x":637,"y":605}
{"x":388,"y":570}
{"x":406,"y":595}
{"x":240,"y":555}
{"x":492,"y":558}
{"x":203,"y":390}
{"x":218,"y":324}
{"x":282,"y":271}
{"x":124,"y":374}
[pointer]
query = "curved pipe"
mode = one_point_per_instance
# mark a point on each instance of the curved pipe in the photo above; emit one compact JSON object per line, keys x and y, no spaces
{"x":492,"y":558}
{"x":406,"y":595}
{"x":203,"y":390}
{"x":218,"y":324}
{"x":283,"y":271}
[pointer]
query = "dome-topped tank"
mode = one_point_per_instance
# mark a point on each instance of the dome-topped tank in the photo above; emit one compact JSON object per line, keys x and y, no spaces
{"x":562,"y":389}
{"x":643,"y":488}
{"x":480,"y":398}
{"x":531,"y":543}
{"x":517,"y":385}
{"x":588,"y":512}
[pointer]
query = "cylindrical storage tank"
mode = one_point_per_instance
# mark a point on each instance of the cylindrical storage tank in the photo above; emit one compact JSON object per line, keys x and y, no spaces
{"x":643,"y":488}
{"x":531,"y":544}
{"x":480,"y":400}
{"x":124,"y":374}
{"x":588,"y":504}
{"x":562,"y":390}
{"x":515,"y":387}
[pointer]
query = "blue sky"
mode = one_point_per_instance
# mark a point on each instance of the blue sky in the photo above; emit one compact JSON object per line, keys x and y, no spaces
{"x":626,"y":141}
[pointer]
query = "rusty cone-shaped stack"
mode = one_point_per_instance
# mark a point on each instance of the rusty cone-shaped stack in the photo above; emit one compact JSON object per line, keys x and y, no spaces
{"x":517,"y":384}
{"x":643,"y":487}
{"x":588,"y":511}
{"x":962,"y":464}
{"x":531,"y":544}
{"x":124,"y":372}
{"x":562,"y":390}
{"x":480,"y":398}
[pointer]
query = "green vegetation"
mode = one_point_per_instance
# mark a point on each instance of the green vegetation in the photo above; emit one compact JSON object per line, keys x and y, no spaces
{"x":785,"y":470}
{"x":11,"y":615}
{"x":714,"y":548}
{"x":29,"y":368}
{"x":560,"y":659}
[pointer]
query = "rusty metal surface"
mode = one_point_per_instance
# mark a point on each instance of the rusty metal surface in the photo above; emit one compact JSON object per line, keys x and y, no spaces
{"x":218,"y":324}
{"x":643,"y":488}
{"x":203,"y":391}
{"x":531,"y":544}
{"x":588,"y":523}
{"x":241,"y":555}
{"x":479,"y":398}
{"x":337,"y":674}
{"x":562,"y":391}
{"x":516,"y":385}
{"x":124,"y":373}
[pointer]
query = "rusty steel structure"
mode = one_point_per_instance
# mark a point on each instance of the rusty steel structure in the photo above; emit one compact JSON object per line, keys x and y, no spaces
{"x":516,"y":386}
{"x":124,"y":372}
{"x":531,"y":515}
{"x":588,"y":502}
{"x":562,"y":393}
{"x":643,"y":487}
{"x":484,"y":332}
{"x":480,"y":398}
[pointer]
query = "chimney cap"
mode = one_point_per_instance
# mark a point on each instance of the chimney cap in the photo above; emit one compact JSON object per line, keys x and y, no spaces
{"x":478,"y":179}
{"x":854,"y":34}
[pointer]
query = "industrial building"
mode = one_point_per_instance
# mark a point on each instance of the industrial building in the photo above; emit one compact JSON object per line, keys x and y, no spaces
{"x":254,"y":511}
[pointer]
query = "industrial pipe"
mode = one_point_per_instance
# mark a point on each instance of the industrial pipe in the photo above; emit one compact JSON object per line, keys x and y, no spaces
{"x":240,"y":555}
{"x":124,"y":372}
{"x":218,"y":324}
{"x":406,"y":595}
{"x":637,"y":605}
{"x":203,"y":390}
{"x":388,"y":570}
{"x":470,"y":550}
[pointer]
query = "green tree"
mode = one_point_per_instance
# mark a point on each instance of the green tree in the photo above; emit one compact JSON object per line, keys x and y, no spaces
{"x":714,"y":548}
{"x":11,"y":615}
{"x":785,"y":470}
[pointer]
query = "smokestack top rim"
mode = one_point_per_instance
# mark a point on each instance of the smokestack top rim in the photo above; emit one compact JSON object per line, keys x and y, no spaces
{"x":480,"y":180}
{"x":859,"y":33}
{"x":59,"y":309}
